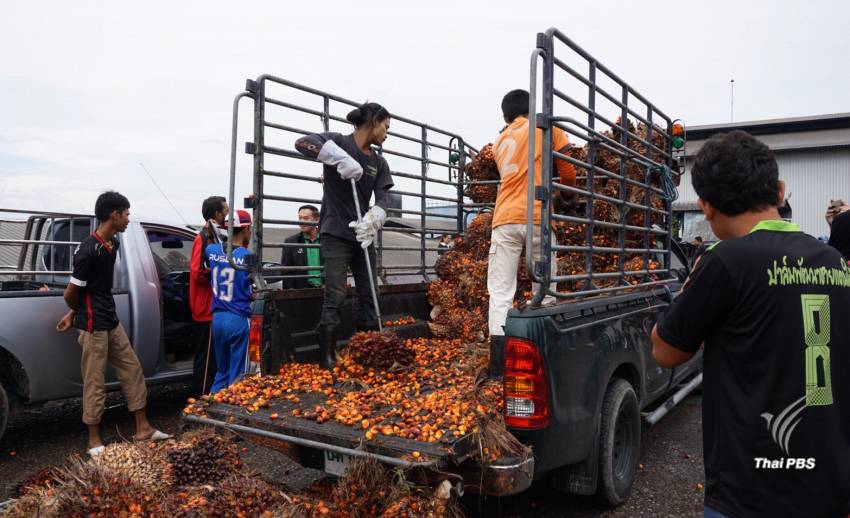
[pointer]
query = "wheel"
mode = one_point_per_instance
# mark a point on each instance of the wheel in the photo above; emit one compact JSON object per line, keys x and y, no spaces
{"x":4,"y":410}
{"x":619,"y":443}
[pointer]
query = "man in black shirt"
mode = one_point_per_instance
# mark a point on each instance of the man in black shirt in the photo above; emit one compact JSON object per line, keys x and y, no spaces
{"x":776,"y":395}
{"x":346,"y":158}
{"x":101,"y":335}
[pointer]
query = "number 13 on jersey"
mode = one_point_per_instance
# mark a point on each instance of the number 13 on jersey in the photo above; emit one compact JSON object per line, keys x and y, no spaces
{"x":222,"y":282}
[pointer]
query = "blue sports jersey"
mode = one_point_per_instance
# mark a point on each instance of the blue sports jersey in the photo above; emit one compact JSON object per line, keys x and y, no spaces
{"x":231,"y":287}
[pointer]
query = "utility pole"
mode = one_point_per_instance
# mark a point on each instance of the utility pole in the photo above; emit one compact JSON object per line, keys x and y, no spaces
{"x":732,"y":100}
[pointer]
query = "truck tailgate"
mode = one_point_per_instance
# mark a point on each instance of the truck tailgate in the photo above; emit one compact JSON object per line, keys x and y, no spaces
{"x":336,"y":434}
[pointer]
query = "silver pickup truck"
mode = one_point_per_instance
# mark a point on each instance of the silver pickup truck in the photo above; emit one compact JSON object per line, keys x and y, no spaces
{"x":151,"y":290}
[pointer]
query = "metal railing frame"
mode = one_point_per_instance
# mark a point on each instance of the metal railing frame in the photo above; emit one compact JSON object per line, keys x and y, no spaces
{"x":259,"y":148}
{"x":540,"y":267}
{"x":36,"y":224}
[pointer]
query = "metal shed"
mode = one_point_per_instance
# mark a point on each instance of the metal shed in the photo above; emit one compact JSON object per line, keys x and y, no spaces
{"x":813,"y":154}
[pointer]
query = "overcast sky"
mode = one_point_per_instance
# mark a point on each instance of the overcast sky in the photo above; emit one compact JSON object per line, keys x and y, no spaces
{"x":91,"y":89}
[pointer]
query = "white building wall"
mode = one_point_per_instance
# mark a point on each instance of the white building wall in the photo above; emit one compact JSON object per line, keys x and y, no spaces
{"x":812,"y":177}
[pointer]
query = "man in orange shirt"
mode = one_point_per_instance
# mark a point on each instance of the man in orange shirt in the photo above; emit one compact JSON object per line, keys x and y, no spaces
{"x":509,"y":216}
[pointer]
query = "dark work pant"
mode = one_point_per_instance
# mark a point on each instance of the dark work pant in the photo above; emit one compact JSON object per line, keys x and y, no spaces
{"x":204,"y":361}
{"x":338,"y":255}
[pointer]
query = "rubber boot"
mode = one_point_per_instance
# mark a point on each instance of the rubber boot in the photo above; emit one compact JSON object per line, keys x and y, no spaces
{"x":327,"y":346}
{"x":496,"y":368}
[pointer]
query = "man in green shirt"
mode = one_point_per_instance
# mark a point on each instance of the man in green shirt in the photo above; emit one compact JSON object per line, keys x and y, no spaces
{"x":302,"y":249}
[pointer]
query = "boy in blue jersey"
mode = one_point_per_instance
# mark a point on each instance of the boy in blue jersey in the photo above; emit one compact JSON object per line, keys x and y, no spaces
{"x":231,"y":305}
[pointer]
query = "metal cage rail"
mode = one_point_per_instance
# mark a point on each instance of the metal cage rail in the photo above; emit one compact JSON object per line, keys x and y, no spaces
{"x":426,"y":164}
{"x":580,"y":112}
{"x":39,"y":246}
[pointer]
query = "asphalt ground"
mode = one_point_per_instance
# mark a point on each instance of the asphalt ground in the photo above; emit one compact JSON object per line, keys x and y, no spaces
{"x":668,"y":484}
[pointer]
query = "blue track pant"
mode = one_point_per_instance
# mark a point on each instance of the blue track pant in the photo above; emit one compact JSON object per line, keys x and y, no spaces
{"x":230,"y":340}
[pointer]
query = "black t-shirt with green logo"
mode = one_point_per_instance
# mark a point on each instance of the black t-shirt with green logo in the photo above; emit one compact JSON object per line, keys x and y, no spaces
{"x":773,"y":311}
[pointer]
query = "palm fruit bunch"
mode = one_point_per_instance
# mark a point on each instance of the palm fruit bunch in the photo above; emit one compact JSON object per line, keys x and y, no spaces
{"x":475,"y":244}
{"x":111,"y":485}
{"x":459,"y":297}
{"x":82,"y":489}
{"x":574,"y":234}
{"x":201,"y":459}
{"x":423,"y":503}
{"x":40,"y":479}
{"x":379,"y":350}
{"x":482,"y":168}
{"x":144,"y":465}
{"x":470,"y":325}
{"x":369,"y":489}
{"x":364,"y":490}
{"x":235,"y":496}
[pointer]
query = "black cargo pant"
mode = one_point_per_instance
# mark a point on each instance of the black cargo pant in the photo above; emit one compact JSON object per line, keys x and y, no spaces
{"x":203,"y":364}
{"x":337,"y":255}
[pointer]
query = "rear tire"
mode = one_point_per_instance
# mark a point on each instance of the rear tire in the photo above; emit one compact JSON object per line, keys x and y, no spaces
{"x":4,"y":410}
{"x":619,"y":443}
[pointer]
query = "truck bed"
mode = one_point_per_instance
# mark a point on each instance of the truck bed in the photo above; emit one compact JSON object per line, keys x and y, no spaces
{"x":335,"y":433}
{"x":321,"y":445}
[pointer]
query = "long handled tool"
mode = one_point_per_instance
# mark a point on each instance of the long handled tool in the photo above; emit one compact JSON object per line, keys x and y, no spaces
{"x":366,"y":256}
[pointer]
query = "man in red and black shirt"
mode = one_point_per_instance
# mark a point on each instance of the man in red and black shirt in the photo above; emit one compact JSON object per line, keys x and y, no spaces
{"x":101,"y":335}
{"x":200,"y":296}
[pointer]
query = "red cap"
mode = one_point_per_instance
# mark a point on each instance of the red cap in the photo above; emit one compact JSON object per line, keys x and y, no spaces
{"x":243,"y":219}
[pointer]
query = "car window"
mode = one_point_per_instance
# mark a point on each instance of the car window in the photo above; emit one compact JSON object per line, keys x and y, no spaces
{"x":172,"y":251}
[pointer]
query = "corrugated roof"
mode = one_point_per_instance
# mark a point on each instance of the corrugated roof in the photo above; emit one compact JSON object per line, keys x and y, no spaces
{"x":813,"y":132}
{"x":808,"y":123}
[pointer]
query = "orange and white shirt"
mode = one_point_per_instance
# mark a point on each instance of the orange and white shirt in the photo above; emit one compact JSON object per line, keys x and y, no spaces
{"x":511,"y":154}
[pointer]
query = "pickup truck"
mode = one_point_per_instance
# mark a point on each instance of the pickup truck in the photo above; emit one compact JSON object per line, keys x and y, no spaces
{"x":587,"y":360}
{"x":151,"y":290}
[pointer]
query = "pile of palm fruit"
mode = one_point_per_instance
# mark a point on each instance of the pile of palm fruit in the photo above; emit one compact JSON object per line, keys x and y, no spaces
{"x":481,"y":176}
{"x":200,"y":475}
{"x":635,"y":215}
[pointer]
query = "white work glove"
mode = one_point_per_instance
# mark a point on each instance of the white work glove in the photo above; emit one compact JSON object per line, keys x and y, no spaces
{"x":333,"y":155}
{"x":367,"y":228}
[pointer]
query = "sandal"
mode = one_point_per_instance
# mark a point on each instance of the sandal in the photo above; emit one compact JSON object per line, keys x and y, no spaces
{"x":96,"y":451}
{"x":155,"y":436}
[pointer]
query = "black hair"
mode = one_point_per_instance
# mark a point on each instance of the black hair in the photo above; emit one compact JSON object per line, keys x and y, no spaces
{"x":515,"y":104}
{"x":310,"y":208}
{"x":736,"y":173}
{"x":107,"y":203}
{"x":366,"y":113}
{"x":698,"y":238}
{"x":212,"y":205}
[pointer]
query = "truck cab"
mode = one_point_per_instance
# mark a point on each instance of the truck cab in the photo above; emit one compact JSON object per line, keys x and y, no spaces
{"x":37,"y":363}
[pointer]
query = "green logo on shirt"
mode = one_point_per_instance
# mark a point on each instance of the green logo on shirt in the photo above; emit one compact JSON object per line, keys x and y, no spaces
{"x":816,"y":331}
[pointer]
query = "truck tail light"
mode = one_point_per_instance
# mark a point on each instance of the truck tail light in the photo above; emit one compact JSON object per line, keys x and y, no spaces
{"x":255,"y":338}
{"x":526,"y":390}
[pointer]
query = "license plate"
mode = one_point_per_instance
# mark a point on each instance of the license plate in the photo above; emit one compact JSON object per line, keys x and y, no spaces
{"x":336,"y":463}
